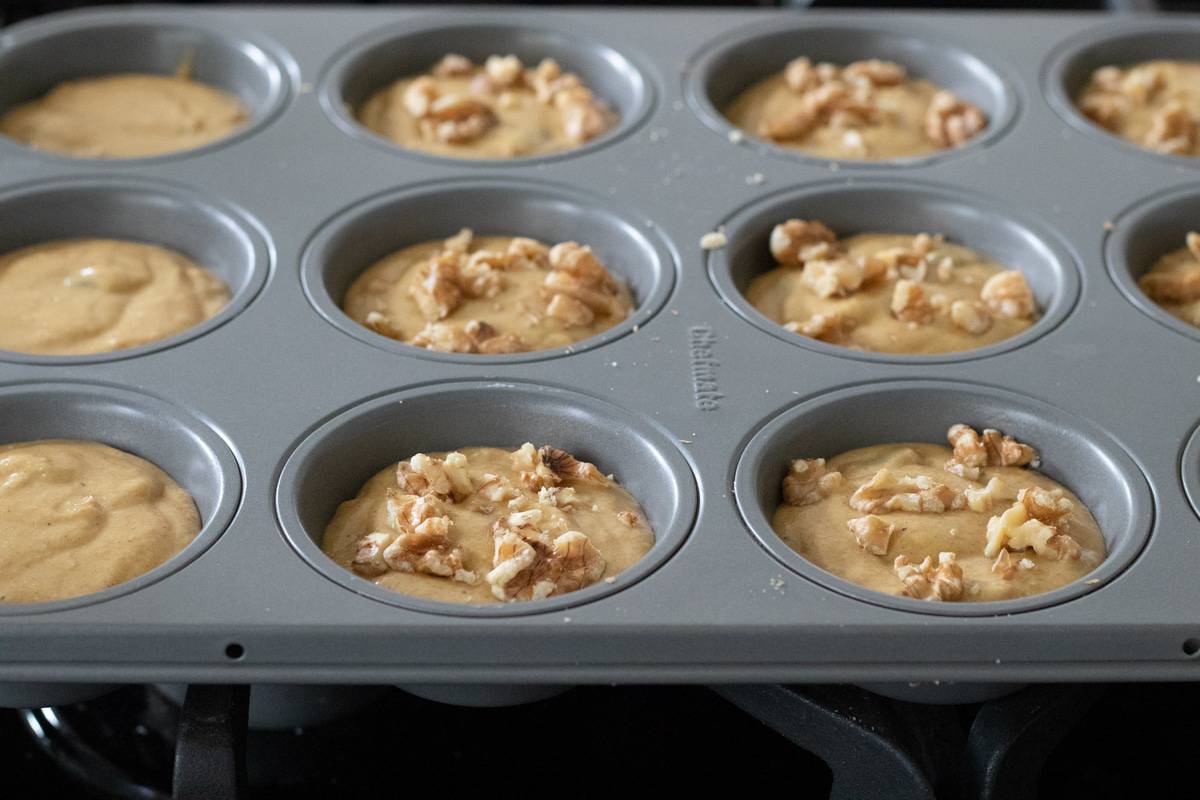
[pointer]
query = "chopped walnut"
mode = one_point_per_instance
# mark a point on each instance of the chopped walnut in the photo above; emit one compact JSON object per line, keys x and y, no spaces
{"x":808,"y":482}
{"x":531,"y":570}
{"x":1006,"y":294}
{"x":925,"y":582}
{"x":839,"y":277}
{"x":909,"y":303}
{"x":1064,"y":547}
{"x":457,"y":118}
{"x":824,"y":327}
{"x":445,"y":338}
{"x":460,"y":242}
{"x":1050,"y":506}
{"x":562,"y":282}
{"x":794,"y":241}
{"x":628,"y":518}
{"x":490,"y":341}
{"x":1175,"y":286}
{"x":949,"y":121}
{"x":968,"y":445}
{"x":584,"y":121}
{"x":419,"y":96}
{"x":568,"y":467}
{"x":579,"y":261}
{"x":872,"y":533}
{"x":503,"y":71}
{"x":1172,"y":131}
{"x":982,"y":499}
{"x":800,"y":75}
{"x":569,"y":311}
{"x":1004,"y":566}
{"x":425,"y":475}
{"x":368,"y":557}
{"x":1005,"y":451}
{"x":497,"y":488}
{"x":453,"y":65}
{"x":1104,"y":109}
{"x":438,"y":294}
{"x":962,"y":470}
{"x":875,"y":72}
{"x":1142,"y":82}
{"x":972,"y":317}
{"x":530,"y":251}
{"x":534,"y":472}
{"x":915,"y":493}
{"x":1016,"y":530}
{"x":557,"y":496}
{"x":428,"y":552}
{"x":483,"y":273}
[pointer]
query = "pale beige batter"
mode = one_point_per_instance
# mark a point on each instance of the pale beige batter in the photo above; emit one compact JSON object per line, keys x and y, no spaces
{"x":990,"y":526}
{"x":78,"y":296}
{"x":867,"y":110}
{"x":77,"y":517}
{"x":483,"y":525}
{"x":889,"y":293}
{"x":488,"y":294}
{"x":501,"y":109}
{"x":125,"y":116}
{"x":1174,"y":281}
{"x":1155,"y":104}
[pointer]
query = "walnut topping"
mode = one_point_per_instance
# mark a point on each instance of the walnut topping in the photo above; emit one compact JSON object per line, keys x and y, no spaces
{"x":438,"y":293}
{"x":419,"y":96}
{"x":872,"y":533}
{"x":557,"y":496}
{"x":808,"y":482}
{"x":1104,"y":109}
{"x":910,"y":304}
{"x":497,"y":488}
{"x":452,"y":65}
{"x":1175,"y":286}
{"x":950,"y":121}
{"x":968,"y":446}
{"x":576,"y":273}
{"x":796,"y":240}
{"x":925,"y":582}
{"x":425,"y":475}
{"x":800,"y":75}
{"x":482,"y":273}
{"x":838,"y":277}
{"x":1004,"y":566}
{"x":982,"y":499}
{"x":569,"y":310}
{"x":628,"y":517}
{"x":1006,"y":294}
{"x":875,"y":72}
{"x":1173,"y":130}
{"x":527,"y":460}
{"x":368,"y":557}
{"x":568,"y":467}
{"x":451,"y":118}
{"x":1046,"y":505}
{"x":1017,"y":530}
{"x":915,"y":493}
{"x":992,"y":448}
{"x":490,"y":341}
{"x":529,"y":250}
{"x":824,"y":327}
{"x":972,"y":317}
{"x":429,"y":552}
{"x":531,"y":568}
{"x":503,"y":71}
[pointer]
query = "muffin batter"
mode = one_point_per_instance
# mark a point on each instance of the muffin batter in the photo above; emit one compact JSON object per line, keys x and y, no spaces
{"x":484,"y":525}
{"x":1155,"y":104}
{"x":501,"y":109}
{"x":972,"y":524}
{"x":1174,"y":281}
{"x":867,"y":110}
{"x":79,"y":296}
{"x":77,"y":517}
{"x":125,"y":116}
{"x":490,"y":294}
{"x":889,"y":293}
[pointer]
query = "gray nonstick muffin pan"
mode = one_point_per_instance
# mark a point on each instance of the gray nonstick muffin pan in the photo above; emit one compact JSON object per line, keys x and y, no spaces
{"x":280,"y":407}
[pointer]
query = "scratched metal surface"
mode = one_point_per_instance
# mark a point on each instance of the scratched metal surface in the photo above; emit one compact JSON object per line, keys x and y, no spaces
{"x":670,"y":403}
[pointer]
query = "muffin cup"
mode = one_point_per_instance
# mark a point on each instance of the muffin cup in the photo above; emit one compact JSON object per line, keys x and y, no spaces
{"x":374,"y":228}
{"x":35,"y":58}
{"x":373,"y":63}
{"x":1074,"y":452}
{"x":332,"y":463}
{"x":971,"y":220}
{"x":722,"y":70}
{"x":215,"y":234}
{"x":1068,"y":71}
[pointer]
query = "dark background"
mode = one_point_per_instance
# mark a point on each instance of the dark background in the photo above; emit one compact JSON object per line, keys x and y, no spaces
{"x":603,"y":740}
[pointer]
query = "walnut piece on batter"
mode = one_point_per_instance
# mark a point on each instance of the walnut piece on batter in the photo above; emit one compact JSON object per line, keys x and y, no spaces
{"x":807,"y":482}
{"x":795,"y":241}
{"x":872,"y":533}
{"x":982,"y":499}
{"x":972,"y":317}
{"x":442,"y":478}
{"x":576,"y":273}
{"x":973,"y":451}
{"x":924,"y":581}
{"x":951,"y":121}
{"x":1016,"y":529}
{"x":914,"y":493}
{"x":1007,"y":294}
{"x":530,"y":565}
{"x":910,"y":304}
{"x":1177,"y":285}
{"x":1173,"y":130}
{"x":840,"y":276}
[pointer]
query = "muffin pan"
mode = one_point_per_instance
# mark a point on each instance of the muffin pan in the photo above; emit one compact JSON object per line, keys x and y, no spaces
{"x":279,"y":408}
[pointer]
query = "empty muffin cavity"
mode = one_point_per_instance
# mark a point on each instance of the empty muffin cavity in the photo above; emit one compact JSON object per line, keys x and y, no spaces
{"x":334,"y":461}
{"x":44,"y":54}
{"x":723,"y":72}
{"x":369,"y":231}
{"x":1072,"y":452}
{"x":369,"y":66}
{"x":974,"y":222}
{"x":212,"y":233}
